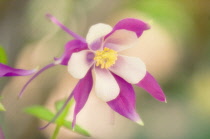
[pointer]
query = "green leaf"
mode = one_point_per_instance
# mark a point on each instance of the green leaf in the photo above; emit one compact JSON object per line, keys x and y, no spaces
{"x":61,"y":119}
{"x":40,"y":112}
{"x":65,"y":112}
{"x":3,"y":56}
{"x":60,"y":103}
{"x":2,"y":107}
{"x":77,"y":128}
{"x":45,"y":114}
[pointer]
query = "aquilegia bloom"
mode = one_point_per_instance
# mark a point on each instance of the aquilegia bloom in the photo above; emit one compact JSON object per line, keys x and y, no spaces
{"x":114,"y":74}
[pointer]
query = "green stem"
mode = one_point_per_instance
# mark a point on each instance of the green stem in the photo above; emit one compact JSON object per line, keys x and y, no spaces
{"x":56,"y":131}
{"x":60,"y":120}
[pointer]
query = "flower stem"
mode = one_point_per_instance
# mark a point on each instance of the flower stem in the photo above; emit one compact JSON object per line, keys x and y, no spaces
{"x":59,"y":112}
{"x":34,"y":76}
{"x":56,"y":131}
{"x":54,"y":20}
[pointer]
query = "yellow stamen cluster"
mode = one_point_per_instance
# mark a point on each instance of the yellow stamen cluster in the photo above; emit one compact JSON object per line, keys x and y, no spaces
{"x":105,"y":58}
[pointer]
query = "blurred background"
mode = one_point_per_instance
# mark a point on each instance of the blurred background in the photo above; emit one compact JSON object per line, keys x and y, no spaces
{"x":176,"y":51}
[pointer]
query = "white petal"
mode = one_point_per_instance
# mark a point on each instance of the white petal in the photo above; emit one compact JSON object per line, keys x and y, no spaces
{"x":131,"y":69}
{"x":106,"y":86}
{"x":80,"y":63}
{"x":96,"y":32}
{"x":121,"y":40}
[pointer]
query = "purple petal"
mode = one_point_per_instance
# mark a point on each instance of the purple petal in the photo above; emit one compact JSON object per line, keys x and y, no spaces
{"x":54,"y":20}
{"x":131,"y":24}
{"x":1,"y":134}
{"x":125,"y":103}
{"x":34,"y":76}
{"x":149,"y":84}
{"x":9,"y":71}
{"x":81,"y":93}
{"x":71,"y":47}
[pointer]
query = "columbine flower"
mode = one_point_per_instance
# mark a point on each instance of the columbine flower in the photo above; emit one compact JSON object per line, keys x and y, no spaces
{"x":114,"y":74}
{"x":9,"y":71}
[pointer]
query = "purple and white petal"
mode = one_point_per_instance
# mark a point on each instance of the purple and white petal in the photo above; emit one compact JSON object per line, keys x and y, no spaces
{"x":106,"y":86}
{"x":121,"y":40}
{"x":72,"y":46}
{"x":125,"y":103}
{"x":81,"y":93}
{"x":149,"y":84}
{"x":96,"y":45}
{"x":96,"y":33}
{"x":80,"y":63}
{"x":131,"y":24}
{"x":9,"y":71}
{"x":131,"y":69}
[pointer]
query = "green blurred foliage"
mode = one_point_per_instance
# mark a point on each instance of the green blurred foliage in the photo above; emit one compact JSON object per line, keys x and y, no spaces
{"x":58,"y":106}
{"x":2,"y":107}
{"x":37,"y":22}
{"x":3,"y":59}
{"x":172,"y":15}
{"x":3,"y":56}
{"x":188,"y":22}
{"x":43,"y":113}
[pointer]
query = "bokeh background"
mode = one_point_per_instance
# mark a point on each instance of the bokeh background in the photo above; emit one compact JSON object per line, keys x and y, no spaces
{"x":176,"y":51}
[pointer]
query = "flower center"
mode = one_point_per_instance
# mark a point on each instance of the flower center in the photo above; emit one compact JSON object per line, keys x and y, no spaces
{"x":105,"y":58}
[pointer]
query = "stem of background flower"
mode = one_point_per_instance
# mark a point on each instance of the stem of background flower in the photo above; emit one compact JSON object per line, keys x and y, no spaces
{"x":56,"y":131}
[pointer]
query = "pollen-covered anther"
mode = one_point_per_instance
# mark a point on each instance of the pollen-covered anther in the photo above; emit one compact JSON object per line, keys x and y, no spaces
{"x":105,"y":58}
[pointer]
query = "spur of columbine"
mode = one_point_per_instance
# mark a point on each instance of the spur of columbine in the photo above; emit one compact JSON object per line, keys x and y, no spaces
{"x":6,"y":71}
{"x":99,"y":55}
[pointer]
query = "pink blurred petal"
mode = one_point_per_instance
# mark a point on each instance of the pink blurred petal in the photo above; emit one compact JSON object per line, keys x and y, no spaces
{"x":149,"y":84}
{"x":1,"y":134}
{"x":81,"y":93}
{"x":125,"y":103}
{"x":54,"y":20}
{"x":9,"y":71}
{"x":71,"y":47}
